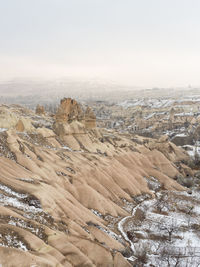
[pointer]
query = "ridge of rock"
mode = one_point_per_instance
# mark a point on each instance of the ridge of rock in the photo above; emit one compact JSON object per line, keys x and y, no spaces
{"x":63,"y":192}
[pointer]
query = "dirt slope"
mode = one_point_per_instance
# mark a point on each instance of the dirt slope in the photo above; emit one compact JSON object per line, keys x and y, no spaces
{"x":62,"y":195}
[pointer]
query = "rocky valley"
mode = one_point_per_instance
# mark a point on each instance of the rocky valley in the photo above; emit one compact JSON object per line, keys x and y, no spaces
{"x":99,"y":133}
{"x":100,"y":184}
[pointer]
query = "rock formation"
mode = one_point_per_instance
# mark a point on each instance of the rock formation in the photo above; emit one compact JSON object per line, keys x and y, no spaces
{"x":40,"y":110}
{"x":62,"y":196}
{"x":90,"y":119}
{"x":171,"y":114}
{"x":70,"y":118}
{"x":68,"y":111}
{"x":20,"y":126}
{"x":11,"y":118}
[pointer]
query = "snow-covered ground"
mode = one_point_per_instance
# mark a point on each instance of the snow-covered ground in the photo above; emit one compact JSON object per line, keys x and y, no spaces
{"x":169,"y":232}
{"x":150,"y":102}
{"x":192,"y":150}
{"x":20,"y":201}
{"x":158,"y":102}
{"x":10,"y":240}
{"x":3,"y":130}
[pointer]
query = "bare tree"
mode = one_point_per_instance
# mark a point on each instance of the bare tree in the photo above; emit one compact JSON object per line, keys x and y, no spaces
{"x":177,"y":257}
{"x":163,"y":202}
{"x":169,"y":227}
{"x":172,"y":257}
{"x":141,"y":252}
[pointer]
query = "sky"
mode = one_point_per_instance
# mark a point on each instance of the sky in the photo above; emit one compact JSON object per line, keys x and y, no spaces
{"x":137,"y":42}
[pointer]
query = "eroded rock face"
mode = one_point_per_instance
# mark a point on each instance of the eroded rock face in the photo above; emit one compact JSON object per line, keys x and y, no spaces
{"x":90,"y":119}
{"x":11,"y":117}
{"x":71,"y":119}
{"x":163,"y":138}
{"x":20,"y":126}
{"x":58,"y":201}
{"x":69,"y":110}
{"x":40,"y":110}
{"x":61,"y":198}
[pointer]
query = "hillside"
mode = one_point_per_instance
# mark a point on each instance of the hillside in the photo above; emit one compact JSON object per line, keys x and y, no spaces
{"x":65,"y":185}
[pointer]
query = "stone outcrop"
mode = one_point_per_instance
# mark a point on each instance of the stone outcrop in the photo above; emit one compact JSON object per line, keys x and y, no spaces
{"x":40,"y":110}
{"x":74,"y":127}
{"x":10,"y":118}
{"x":71,"y":119}
{"x":68,"y":111}
{"x":60,"y":196}
{"x":163,"y":138}
{"x":171,"y":114}
{"x":90,"y":119}
{"x":20,"y":126}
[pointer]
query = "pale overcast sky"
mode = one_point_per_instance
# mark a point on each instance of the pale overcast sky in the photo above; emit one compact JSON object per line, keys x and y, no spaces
{"x":138,"y":42}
